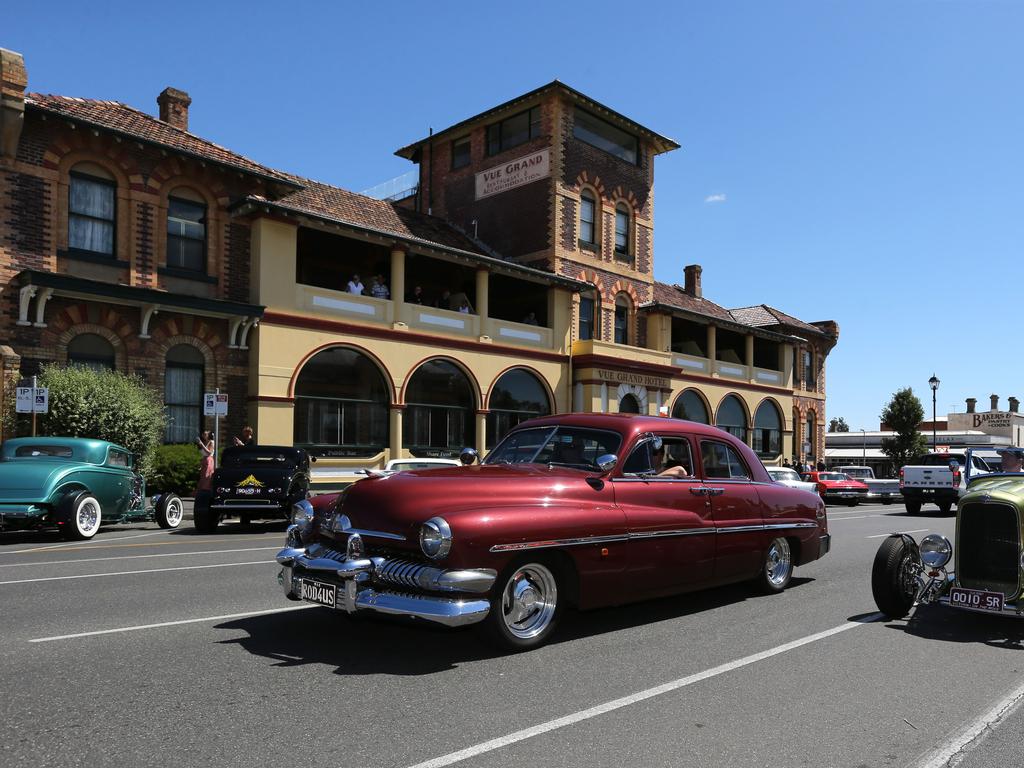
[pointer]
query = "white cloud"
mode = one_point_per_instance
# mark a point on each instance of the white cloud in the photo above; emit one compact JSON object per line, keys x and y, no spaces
{"x":718,"y":197}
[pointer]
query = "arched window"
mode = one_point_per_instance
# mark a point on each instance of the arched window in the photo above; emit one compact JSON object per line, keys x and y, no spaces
{"x":623,"y":312}
{"x":92,"y":210}
{"x":439,"y":414}
{"x":732,"y":417}
{"x":183,"y":393}
{"x":809,"y":446}
{"x":588,"y":218}
{"x":810,"y":380}
{"x":587,"y":324}
{"x":629,"y":404}
{"x":186,"y":231}
{"x":767,"y":430}
{"x":690,"y":406}
{"x":517,"y":396}
{"x":92,"y":351}
{"x":341,"y":405}
{"x":622,"y":232}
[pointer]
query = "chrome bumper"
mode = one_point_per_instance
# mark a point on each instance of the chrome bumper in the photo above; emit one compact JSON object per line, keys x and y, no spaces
{"x":935,"y":589}
{"x":368,"y":584}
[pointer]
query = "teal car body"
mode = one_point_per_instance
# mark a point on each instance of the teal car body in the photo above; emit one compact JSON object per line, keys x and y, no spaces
{"x":75,"y":484}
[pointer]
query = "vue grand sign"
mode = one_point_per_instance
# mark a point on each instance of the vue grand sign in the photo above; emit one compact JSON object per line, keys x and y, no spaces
{"x":639,"y":379}
{"x":515,"y":173}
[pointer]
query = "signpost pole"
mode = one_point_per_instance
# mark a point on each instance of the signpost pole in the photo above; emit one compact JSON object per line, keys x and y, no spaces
{"x":33,"y":406}
{"x":216,"y":431}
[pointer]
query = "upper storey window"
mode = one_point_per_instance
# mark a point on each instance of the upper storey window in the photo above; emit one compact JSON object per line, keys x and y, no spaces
{"x":186,"y":234}
{"x":513,"y":131}
{"x":622,"y":251}
{"x":91,"y":213}
{"x":606,"y":136}
{"x":460,"y":153}
{"x":588,"y":218}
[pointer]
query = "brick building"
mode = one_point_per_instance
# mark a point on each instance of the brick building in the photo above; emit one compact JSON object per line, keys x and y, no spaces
{"x":518,"y":279}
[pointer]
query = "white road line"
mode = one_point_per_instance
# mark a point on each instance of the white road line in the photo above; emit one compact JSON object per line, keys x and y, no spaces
{"x":170,"y":623}
{"x":81,"y":543}
{"x":600,"y":709}
{"x":945,"y":753}
{"x":844,"y":519}
{"x":887,"y":535}
{"x":131,"y":573}
{"x":135,"y":557}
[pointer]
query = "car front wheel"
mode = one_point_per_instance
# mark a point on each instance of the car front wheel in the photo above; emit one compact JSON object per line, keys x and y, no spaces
{"x":169,"y":511}
{"x":525,"y":607}
{"x":893,"y":578}
{"x":83,"y":517}
{"x":777,"y":569}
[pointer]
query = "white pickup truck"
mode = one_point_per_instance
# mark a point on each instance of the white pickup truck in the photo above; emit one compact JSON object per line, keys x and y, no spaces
{"x":933,"y":478}
{"x":885,"y":491}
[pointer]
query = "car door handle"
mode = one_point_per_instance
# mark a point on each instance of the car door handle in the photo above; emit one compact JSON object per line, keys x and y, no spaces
{"x":714,"y":491}
{"x":699,"y":490}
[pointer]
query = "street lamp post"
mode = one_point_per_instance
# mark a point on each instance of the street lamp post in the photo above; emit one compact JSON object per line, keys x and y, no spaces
{"x":864,"y":447}
{"x":933,"y":382}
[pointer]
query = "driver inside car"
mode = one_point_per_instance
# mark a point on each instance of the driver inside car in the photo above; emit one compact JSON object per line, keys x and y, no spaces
{"x":664,"y":466}
{"x":1011,"y":460}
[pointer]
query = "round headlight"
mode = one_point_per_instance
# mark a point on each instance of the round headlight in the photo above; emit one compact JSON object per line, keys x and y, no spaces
{"x":302,"y":512}
{"x":435,"y":538}
{"x":935,"y":550}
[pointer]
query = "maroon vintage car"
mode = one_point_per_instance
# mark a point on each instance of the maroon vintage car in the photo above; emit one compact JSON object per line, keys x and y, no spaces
{"x":584,"y":509}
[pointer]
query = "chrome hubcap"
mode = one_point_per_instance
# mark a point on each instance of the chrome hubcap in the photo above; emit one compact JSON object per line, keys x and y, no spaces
{"x":528,"y":601}
{"x":88,"y":516}
{"x":174,"y":512}
{"x":779,"y":563}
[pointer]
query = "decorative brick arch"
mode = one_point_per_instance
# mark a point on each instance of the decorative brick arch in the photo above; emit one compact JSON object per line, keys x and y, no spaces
{"x":590,"y":276}
{"x":120,"y":350}
{"x":171,"y":330}
{"x":584,"y":180}
{"x":67,"y":151}
{"x":173,"y":172}
{"x":623,"y":287}
{"x":619,"y":195}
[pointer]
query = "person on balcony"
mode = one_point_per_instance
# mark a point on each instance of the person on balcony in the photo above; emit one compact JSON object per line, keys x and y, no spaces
{"x":379,"y":289}
{"x":355,"y":286}
{"x":416,"y":297}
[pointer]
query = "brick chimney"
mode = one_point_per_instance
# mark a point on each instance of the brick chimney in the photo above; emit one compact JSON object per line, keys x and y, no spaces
{"x":995,"y":402}
{"x":174,"y":107}
{"x":691,"y":284}
{"x":971,"y":403}
{"x":1014,"y":404}
{"x":13,"y":80}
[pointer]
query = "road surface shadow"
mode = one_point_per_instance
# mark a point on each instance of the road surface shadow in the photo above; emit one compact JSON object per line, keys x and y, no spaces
{"x":936,"y":622}
{"x":372,"y":644}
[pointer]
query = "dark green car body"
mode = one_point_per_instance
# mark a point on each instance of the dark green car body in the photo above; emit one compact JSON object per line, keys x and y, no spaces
{"x":46,"y":481}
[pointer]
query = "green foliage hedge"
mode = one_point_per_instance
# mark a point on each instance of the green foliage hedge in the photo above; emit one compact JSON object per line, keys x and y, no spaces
{"x":106,"y":405}
{"x":175,"y":469}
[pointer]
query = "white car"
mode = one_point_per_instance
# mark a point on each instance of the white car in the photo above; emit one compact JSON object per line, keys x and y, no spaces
{"x":787,"y":476}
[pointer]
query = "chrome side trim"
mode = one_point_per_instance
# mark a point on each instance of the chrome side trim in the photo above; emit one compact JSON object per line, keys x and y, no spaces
{"x":576,"y":542}
{"x":336,"y":523}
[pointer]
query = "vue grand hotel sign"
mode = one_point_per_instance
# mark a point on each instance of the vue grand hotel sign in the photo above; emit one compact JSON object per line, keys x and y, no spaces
{"x":515,"y":173}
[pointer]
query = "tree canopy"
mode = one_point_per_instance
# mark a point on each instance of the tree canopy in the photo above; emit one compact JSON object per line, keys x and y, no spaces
{"x":903,"y":415}
{"x":838,"y":424}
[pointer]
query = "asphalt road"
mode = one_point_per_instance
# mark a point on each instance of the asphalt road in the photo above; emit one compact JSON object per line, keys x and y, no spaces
{"x":153,"y":647}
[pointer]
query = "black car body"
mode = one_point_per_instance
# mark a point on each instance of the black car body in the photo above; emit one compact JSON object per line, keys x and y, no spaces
{"x":254,"y":482}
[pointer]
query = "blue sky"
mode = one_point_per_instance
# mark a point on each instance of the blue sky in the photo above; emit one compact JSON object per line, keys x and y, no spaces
{"x":855,"y":161}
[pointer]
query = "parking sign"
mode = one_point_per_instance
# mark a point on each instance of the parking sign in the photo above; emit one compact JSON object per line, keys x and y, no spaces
{"x":32,"y":400}
{"x":210,"y":404}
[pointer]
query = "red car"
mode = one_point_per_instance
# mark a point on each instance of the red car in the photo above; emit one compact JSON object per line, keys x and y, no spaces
{"x":586,"y":509}
{"x":838,"y":487}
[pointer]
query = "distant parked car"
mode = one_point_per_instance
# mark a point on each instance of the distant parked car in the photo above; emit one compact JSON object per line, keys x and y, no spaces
{"x":76,"y":485}
{"x":254,"y":481}
{"x":884,"y":491}
{"x":791,"y":478}
{"x":837,"y":487}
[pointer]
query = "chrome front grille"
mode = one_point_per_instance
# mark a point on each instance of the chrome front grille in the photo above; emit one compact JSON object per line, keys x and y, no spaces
{"x":404,"y":573}
{"x":988,"y":548}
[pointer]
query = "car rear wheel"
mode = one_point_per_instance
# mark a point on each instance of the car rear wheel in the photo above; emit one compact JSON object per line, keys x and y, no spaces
{"x":945,"y":507}
{"x":777,"y":569}
{"x":169,"y":511}
{"x":893,"y":581}
{"x":204,"y":518}
{"x":913,"y":507}
{"x":83,"y":517}
{"x":525,"y":606}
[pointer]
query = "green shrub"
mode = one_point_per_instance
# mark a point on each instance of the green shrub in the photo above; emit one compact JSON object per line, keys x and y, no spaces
{"x":106,"y":405}
{"x":175,"y":469}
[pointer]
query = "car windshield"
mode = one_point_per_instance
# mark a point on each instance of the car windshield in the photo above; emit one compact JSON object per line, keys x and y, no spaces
{"x":832,"y":476}
{"x":783,"y":474}
{"x":399,"y":466}
{"x":561,"y":446}
{"x":258,"y":458}
{"x":49,"y":451}
{"x":857,"y":472}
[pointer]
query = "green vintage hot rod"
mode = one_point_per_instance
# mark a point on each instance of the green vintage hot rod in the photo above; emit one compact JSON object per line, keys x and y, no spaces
{"x":75,"y":485}
{"x":989,"y":558}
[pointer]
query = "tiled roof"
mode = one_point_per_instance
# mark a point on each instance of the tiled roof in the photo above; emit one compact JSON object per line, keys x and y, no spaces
{"x":763,"y":315}
{"x":340,"y":205}
{"x":126,"y":120}
{"x":675,"y":296}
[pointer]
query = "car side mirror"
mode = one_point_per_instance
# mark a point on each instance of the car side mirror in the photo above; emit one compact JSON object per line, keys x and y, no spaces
{"x":606,"y":462}
{"x":468,"y":456}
